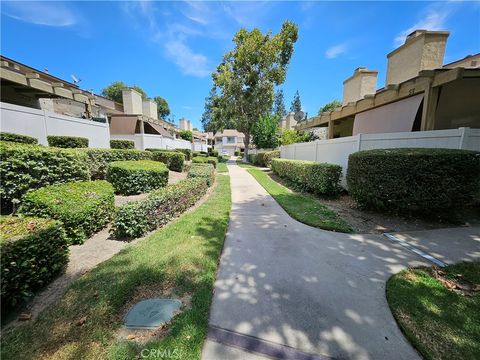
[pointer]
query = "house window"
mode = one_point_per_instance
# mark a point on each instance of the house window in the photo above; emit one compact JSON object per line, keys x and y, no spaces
{"x":230,"y":140}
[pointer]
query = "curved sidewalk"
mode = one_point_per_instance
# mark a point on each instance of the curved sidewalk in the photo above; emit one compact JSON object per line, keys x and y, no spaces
{"x":281,"y":282}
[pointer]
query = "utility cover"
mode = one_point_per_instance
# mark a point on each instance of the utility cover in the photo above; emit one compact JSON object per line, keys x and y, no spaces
{"x":151,"y":313}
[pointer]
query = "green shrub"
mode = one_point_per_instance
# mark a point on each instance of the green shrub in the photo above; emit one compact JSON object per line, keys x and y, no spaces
{"x":137,"y":176}
{"x":318,"y":178}
{"x":187,"y":153}
{"x":204,"y":171}
{"x":98,"y":159}
{"x":84,"y":207}
{"x":260,"y":159}
{"x":33,"y":251}
{"x":268,"y":156}
{"x":199,"y":154}
{"x":122,"y":144}
{"x":205,"y":160}
{"x":136,"y":218}
{"x":173,"y":159}
{"x":252,"y":158}
{"x":215,"y":153}
{"x":5,"y":136}
{"x":25,"y":167}
{"x":237,"y":152}
{"x":67,"y":141}
{"x":429,"y":181}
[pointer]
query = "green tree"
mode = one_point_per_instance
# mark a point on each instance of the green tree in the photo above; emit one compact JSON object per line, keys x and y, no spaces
{"x":114,"y":91}
{"x":332,"y":105}
{"x":163,"y":109}
{"x":208,"y":123}
{"x":264,"y":132}
{"x":247,"y":76}
{"x":290,"y":136}
{"x":186,"y":135}
{"x":296,"y":103}
{"x":279,"y":105}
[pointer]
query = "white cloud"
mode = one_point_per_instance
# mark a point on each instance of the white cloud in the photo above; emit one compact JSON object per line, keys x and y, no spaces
{"x":434,"y":20}
{"x":336,"y":50}
{"x":40,"y":13}
{"x":189,"y":62}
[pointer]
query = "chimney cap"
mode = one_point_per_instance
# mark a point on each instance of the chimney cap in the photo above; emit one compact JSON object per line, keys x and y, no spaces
{"x":419,"y":34}
{"x":361,"y":70}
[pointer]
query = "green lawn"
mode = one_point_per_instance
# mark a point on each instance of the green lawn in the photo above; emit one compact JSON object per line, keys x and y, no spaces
{"x":303,"y":208}
{"x":182,"y":258}
{"x":245,"y":165}
{"x":440,"y":323}
{"x":222,"y":167}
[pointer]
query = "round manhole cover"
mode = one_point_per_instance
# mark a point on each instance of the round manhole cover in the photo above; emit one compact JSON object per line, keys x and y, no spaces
{"x":151,"y":313}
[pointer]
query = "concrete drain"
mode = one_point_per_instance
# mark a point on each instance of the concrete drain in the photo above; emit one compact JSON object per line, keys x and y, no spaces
{"x":151,"y":313}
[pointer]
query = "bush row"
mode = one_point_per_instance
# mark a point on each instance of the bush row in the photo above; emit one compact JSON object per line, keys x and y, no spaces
{"x":24,"y":167}
{"x":203,"y":171}
{"x":83,"y":207}
{"x":33,"y":251}
{"x":136,"y":177}
{"x":136,"y":218}
{"x":173,"y":159}
{"x":429,"y":181}
{"x":187,"y":153}
{"x":205,"y":160}
{"x":252,"y":158}
{"x":268,"y":156}
{"x":122,"y":144}
{"x":318,"y":178}
{"x":67,"y":141}
{"x":4,"y":136}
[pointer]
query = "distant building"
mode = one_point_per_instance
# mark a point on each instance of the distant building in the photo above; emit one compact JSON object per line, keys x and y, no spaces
{"x":228,"y":141}
{"x":288,"y":121}
{"x":420,"y":93}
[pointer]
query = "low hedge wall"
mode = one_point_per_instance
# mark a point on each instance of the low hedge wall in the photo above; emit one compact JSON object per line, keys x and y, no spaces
{"x":268,"y":156}
{"x":33,"y":251}
{"x":84,"y":207}
{"x":252,"y":158}
{"x":5,"y":136}
{"x":98,"y":159}
{"x":25,"y":167}
{"x":173,"y":159}
{"x":428,"y":181}
{"x":122,"y":144}
{"x":204,"y":171}
{"x":199,"y":154}
{"x":136,"y":218}
{"x":67,"y":141}
{"x":205,"y":160}
{"x":137,"y":176}
{"x":187,"y":153}
{"x":318,"y":178}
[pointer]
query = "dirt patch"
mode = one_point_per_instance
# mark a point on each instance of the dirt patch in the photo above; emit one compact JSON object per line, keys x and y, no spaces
{"x":371,"y":222}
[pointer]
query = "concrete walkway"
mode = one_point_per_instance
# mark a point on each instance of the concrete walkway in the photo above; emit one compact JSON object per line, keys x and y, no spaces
{"x":284,"y":283}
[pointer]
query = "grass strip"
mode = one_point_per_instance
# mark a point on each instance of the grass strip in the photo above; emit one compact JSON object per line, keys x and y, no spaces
{"x":303,"y":208}
{"x":439,"y":322}
{"x":180,"y":258}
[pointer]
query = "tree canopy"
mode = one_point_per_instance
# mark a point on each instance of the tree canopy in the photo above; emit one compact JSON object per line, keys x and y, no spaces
{"x":246,"y":78}
{"x":296,"y":103}
{"x":186,"y":135}
{"x":114,"y":91}
{"x":279,"y":105}
{"x":264,"y":132}
{"x":163,"y":109}
{"x":332,"y":105}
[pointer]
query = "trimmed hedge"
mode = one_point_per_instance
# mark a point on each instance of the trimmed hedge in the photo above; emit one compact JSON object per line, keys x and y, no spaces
{"x":33,"y":251}
{"x":268,"y":156}
{"x":413,"y":180}
{"x":136,"y":218}
{"x":122,"y":144}
{"x":69,"y":142}
{"x":252,"y":158}
{"x":5,"y":136}
{"x":137,"y":176}
{"x":318,"y":178}
{"x":173,"y":159}
{"x":25,"y":167}
{"x":205,"y":160}
{"x":237,"y":152}
{"x":84,"y":207}
{"x":187,"y":153}
{"x":204,"y":171}
{"x":199,"y":154}
{"x":98,"y":159}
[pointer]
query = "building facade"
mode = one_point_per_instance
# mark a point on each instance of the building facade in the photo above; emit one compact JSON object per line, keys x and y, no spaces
{"x":228,"y":141}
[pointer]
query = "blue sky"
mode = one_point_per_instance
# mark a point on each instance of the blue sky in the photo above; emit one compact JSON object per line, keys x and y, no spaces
{"x":170,"y":48}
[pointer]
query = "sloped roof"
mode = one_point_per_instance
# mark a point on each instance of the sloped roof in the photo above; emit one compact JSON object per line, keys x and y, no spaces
{"x":229,"y":132}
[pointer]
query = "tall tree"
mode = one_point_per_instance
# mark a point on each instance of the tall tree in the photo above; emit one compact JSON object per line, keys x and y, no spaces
{"x":296,"y":103}
{"x":208,"y":123}
{"x":247,"y":76}
{"x":264,"y":132}
{"x":279,"y":105}
{"x":114,"y":91}
{"x":163,"y":109}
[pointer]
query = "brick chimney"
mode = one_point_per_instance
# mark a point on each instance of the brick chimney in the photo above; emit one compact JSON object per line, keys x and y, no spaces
{"x":149,"y":108}
{"x":422,"y":50}
{"x":362,"y":82}
{"x":132,"y":101}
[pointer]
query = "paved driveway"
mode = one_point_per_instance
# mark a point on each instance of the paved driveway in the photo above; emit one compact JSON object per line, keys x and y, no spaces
{"x":289,"y":284}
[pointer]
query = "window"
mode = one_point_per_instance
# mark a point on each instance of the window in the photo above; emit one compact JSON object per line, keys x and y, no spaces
{"x":230,"y":140}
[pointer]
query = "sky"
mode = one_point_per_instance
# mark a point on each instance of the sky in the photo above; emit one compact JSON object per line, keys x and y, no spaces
{"x":170,"y":48}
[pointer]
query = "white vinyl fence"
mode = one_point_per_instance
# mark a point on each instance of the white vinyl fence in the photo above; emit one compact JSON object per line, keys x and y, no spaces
{"x":336,"y":151}
{"x":200,"y":147}
{"x":148,"y":141}
{"x":40,"y":124}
